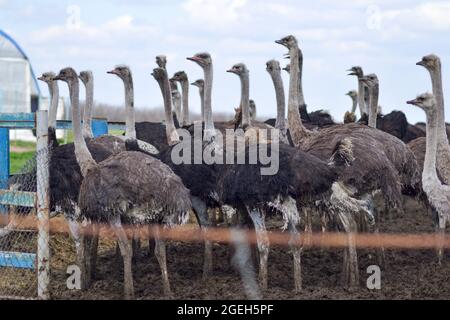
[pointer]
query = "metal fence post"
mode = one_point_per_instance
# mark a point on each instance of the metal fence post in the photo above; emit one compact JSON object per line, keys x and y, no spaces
{"x":99,"y":127}
{"x":43,"y":201}
{"x":4,"y":162}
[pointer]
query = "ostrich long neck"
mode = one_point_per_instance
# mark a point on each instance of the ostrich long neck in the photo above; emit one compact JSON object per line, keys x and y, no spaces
{"x":202,"y":101}
{"x":429,"y":168}
{"x":130,"y":130}
{"x":171,"y":132}
{"x":281,"y":100}
{"x":87,"y":115}
{"x":361,"y":95}
{"x":436,"y":78}
{"x":82,"y":154}
{"x":54,"y":93}
{"x":209,"y":123}
{"x":298,"y":131}
{"x":245,"y":99}
{"x":374,"y":94}
{"x":301,"y":97}
{"x":355,"y":104}
{"x":185,"y":92}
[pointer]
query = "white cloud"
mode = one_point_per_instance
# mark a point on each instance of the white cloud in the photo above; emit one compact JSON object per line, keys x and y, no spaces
{"x":214,"y":12}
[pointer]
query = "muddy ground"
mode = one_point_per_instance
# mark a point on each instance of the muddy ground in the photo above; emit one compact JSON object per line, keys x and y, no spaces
{"x":407,"y":275}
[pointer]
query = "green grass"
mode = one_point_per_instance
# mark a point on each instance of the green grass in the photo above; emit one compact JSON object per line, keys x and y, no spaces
{"x":19,"y":159}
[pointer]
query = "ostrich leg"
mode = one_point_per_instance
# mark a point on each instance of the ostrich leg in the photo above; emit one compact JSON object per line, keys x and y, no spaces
{"x":201,"y":213}
{"x":258,"y":218}
{"x":290,"y":206}
{"x":127,"y":255}
{"x":160,"y":253}
{"x":441,"y":238}
{"x":351,"y":270}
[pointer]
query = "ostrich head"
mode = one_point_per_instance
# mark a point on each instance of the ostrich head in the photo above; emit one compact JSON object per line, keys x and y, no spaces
{"x":161,"y":61}
{"x":352,"y":94}
{"x":122,"y":71}
{"x":203,"y":59}
{"x":200,"y":83}
{"x":370,"y":80}
{"x":159,"y":74}
{"x":430,"y":62}
{"x":68,"y":75}
{"x":356,"y":71}
{"x":287,"y":68}
{"x":180,"y":76}
{"x":86,"y":76}
{"x":47,"y":77}
{"x":289,"y":42}
{"x":425,"y":101}
{"x":239,"y":69}
{"x":273,"y":66}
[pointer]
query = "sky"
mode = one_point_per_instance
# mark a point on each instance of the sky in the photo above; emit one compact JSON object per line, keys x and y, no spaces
{"x":384,"y":37}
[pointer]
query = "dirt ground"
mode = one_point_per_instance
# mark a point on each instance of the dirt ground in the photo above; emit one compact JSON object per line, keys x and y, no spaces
{"x":407,"y":274}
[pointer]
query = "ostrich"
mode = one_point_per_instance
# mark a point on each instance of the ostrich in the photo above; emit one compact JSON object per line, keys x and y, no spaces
{"x":200,"y":84}
{"x":350,"y":117}
{"x":382,"y":162}
{"x":363,"y":93}
{"x":324,"y":186}
{"x":177,"y":100}
{"x":87,"y":78}
{"x":433,"y":64}
{"x":129,"y":187}
{"x":274,"y":69}
{"x":48,"y":78}
{"x":437,"y":192}
{"x":313,"y":120}
{"x":152,"y":133}
{"x":182,"y":78}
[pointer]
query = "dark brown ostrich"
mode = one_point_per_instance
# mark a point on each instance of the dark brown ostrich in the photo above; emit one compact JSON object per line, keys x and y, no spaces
{"x":382,"y":162}
{"x":129,"y":187}
{"x":309,"y":180}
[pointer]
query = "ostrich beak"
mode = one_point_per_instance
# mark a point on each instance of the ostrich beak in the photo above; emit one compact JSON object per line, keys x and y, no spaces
{"x":41,"y":78}
{"x":112,"y":72}
{"x":420,"y":63}
{"x":231,"y":71}
{"x":279,"y":42}
{"x":412,"y":102}
{"x":195,"y":59}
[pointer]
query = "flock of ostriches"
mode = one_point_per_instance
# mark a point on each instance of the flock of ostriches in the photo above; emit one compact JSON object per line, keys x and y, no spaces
{"x":326,"y":169}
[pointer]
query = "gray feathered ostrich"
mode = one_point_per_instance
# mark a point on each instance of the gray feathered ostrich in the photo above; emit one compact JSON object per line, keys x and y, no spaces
{"x":48,"y":78}
{"x":382,"y":162}
{"x":438,"y":193}
{"x":350,"y":116}
{"x":433,"y":64}
{"x":200,"y":84}
{"x":115,"y":144}
{"x":182,"y":78}
{"x":363,"y":93}
{"x":127,"y":188}
{"x":152,"y":133}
